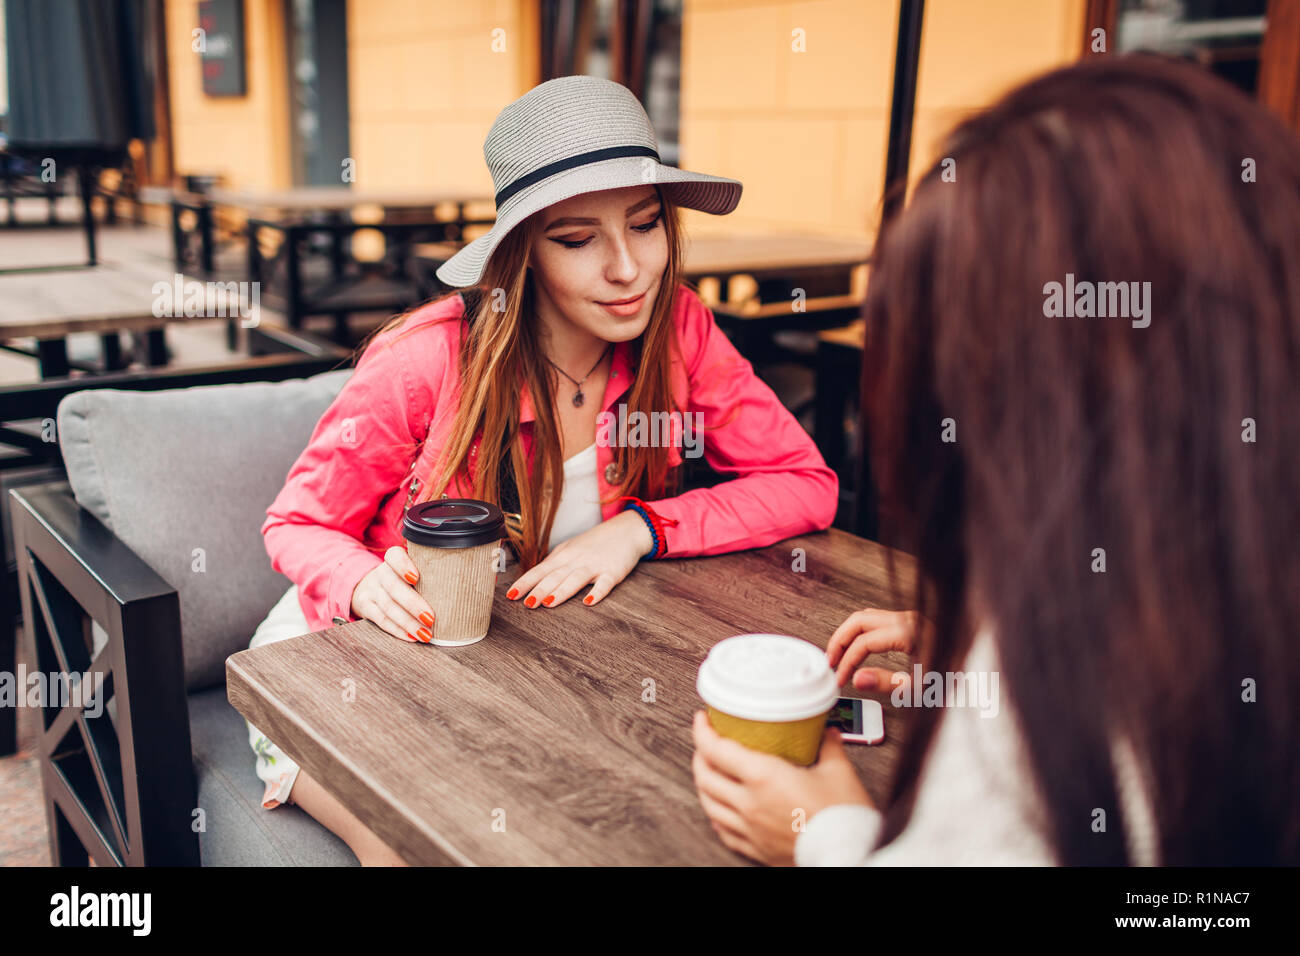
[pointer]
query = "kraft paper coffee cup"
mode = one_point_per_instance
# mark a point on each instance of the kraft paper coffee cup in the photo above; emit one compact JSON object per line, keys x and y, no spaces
{"x":453,"y":542}
{"x":769,"y":692}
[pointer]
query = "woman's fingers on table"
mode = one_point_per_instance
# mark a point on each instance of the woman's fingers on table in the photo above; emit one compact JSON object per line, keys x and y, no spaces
{"x":603,"y":584}
{"x":543,"y":593}
{"x":527,"y":582}
{"x":545,"y":587}
{"x":557,"y":584}
{"x":569,"y":585}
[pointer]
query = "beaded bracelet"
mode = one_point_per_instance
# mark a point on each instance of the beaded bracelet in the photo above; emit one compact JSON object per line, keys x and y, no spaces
{"x":654,"y":549}
{"x":655,"y":522}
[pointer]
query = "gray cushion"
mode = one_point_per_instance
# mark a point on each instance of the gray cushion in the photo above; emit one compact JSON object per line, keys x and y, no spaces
{"x":173,"y":471}
{"x":238,"y":831}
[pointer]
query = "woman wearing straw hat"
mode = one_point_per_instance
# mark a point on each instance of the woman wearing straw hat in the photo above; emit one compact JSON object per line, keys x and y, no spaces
{"x":572,"y":331}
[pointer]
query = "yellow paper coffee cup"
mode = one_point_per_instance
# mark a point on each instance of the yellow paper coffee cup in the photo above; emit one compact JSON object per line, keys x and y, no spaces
{"x":770,"y":692}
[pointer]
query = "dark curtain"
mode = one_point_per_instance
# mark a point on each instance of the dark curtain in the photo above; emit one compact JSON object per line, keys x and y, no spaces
{"x":78,"y":76}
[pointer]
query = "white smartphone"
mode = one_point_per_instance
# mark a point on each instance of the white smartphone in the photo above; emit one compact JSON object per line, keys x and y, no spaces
{"x":860,"y":721}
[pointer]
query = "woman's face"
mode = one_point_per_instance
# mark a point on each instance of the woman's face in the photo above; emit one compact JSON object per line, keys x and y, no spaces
{"x":595,"y":252}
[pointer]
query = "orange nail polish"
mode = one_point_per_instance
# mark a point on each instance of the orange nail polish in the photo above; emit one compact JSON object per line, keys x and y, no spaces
{"x":530,"y":602}
{"x":426,"y":619}
{"x":588,"y":599}
{"x":512,"y":594}
{"x":411,"y":577}
{"x":412,"y":638}
{"x":548,"y":600}
{"x":425,"y":635}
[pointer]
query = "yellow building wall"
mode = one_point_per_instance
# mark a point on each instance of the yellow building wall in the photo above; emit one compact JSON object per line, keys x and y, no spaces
{"x":245,"y":139}
{"x":792,"y":98}
{"x":426,"y":79}
{"x":806,"y":131}
{"x":973,"y":52}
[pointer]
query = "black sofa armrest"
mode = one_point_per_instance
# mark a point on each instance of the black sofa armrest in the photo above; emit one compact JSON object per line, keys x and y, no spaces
{"x":121,"y":790}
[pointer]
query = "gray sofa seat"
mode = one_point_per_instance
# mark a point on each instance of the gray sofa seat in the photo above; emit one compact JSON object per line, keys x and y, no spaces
{"x":172,"y":471}
{"x":238,"y":831}
{"x":183,"y":477}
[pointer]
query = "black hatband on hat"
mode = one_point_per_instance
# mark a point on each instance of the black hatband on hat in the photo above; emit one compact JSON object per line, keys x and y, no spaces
{"x":581,"y":159}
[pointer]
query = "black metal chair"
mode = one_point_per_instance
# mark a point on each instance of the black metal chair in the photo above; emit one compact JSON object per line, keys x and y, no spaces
{"x":120,"y":788}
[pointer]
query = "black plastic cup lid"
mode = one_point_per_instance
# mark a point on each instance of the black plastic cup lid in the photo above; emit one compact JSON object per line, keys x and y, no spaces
{"x":453,"y":523}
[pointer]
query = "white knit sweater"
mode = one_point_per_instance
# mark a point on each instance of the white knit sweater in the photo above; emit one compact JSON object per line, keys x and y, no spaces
{"x":976,"y":801}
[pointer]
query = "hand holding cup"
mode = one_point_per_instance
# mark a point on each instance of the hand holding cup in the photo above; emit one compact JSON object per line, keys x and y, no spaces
{"x":387,"y":597}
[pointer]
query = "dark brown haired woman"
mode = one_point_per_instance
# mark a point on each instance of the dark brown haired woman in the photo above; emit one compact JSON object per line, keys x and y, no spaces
{"x":1115,"y":529}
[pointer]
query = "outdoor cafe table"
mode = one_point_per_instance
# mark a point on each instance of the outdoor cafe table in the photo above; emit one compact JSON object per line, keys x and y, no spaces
{"x":310,"y":265}
{"x":774,"y":258}
{"x":564,"y":737}
{"x":296,"y":202}
{"x":312,"y":198}
{"x":49,"y":305}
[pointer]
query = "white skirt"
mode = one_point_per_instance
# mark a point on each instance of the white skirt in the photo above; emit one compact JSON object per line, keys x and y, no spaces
{"x":274,"y":767}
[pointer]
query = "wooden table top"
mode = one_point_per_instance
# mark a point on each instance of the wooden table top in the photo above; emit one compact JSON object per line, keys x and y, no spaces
{"x":55,"y":303}
{"x":853,"y":335}
{"x":763,"y":255}
{"x":564,"y":737}
{"x":307,"y":198}
{"x":438,"y":252}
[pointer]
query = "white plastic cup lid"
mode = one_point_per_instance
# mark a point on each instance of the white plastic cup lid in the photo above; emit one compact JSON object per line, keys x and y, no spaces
{"x":767,"y":677}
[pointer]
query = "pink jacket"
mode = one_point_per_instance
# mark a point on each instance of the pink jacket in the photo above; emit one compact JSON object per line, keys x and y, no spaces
{"x":342,"y":504}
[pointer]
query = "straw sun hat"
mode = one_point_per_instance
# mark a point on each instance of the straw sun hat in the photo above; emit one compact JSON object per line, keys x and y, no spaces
{"x":566,"y":137}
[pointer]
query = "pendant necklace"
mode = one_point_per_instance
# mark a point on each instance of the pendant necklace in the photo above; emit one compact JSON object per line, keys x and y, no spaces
{"x":578,"y":397}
